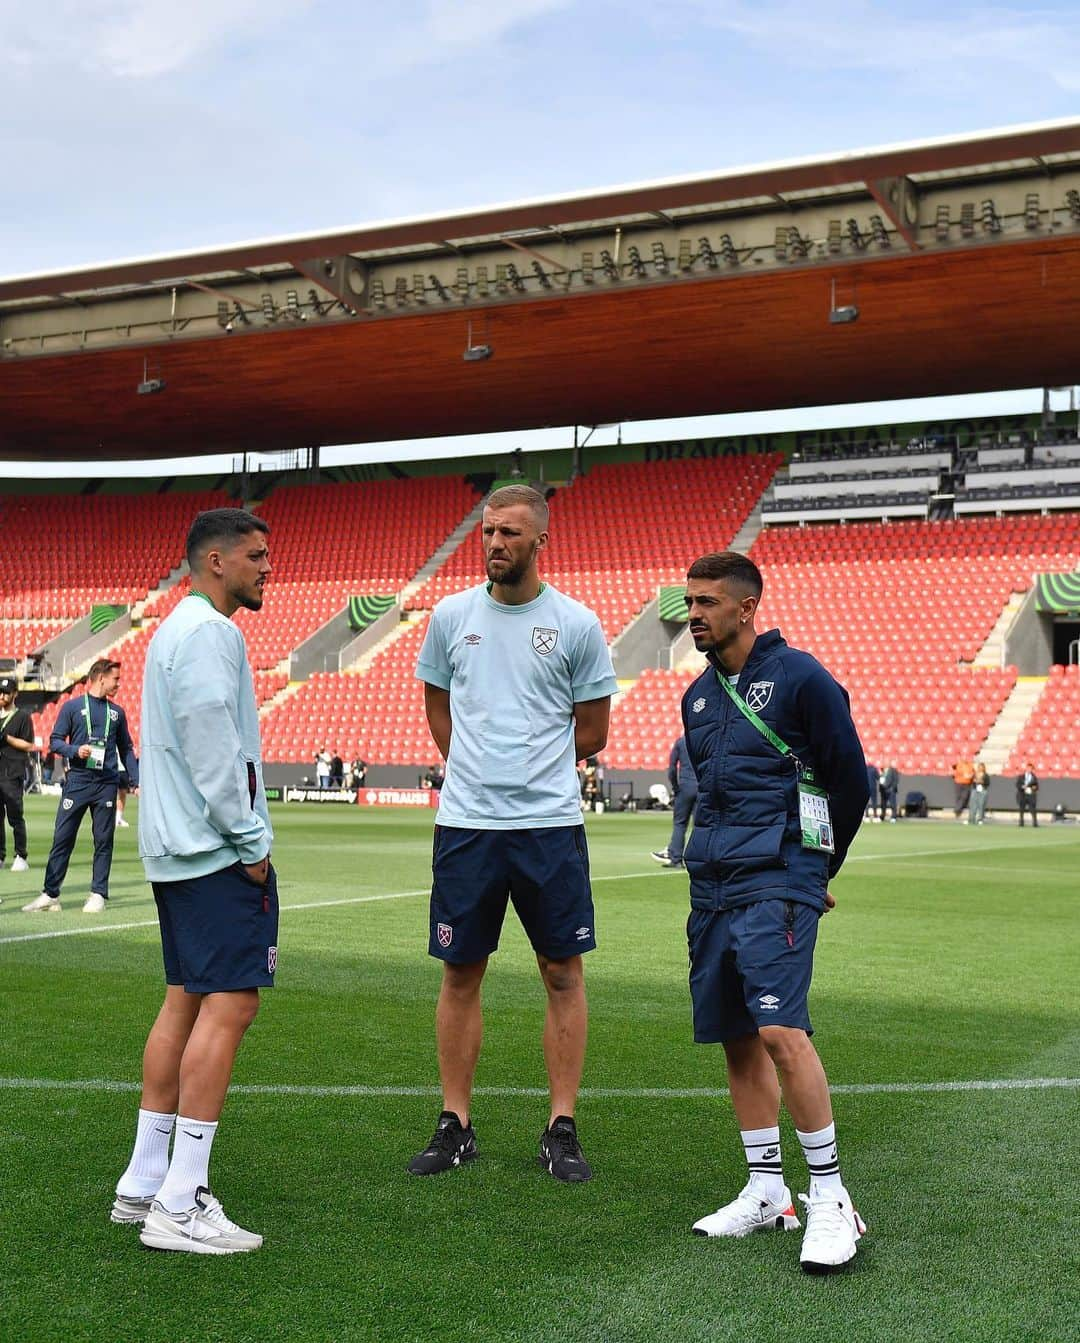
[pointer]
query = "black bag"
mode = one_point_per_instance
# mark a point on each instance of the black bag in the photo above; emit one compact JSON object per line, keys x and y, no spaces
{"x":915,"y":804}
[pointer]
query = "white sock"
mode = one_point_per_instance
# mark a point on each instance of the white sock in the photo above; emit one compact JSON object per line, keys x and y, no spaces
{"x":150,"y":1156}
{"x":762,"y":1148}
{"x":190,"y":1165}
{"x":819,"y":1148}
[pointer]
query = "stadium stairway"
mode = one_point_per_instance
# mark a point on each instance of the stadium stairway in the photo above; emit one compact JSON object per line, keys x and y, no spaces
{"x":992,"y":653}
{"x":166,"y":585}
{"x":1003,"y":738}
{"x":453,"y":542}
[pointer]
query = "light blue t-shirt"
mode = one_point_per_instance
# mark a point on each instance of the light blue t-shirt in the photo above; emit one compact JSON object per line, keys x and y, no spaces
{"x":514,"y":674}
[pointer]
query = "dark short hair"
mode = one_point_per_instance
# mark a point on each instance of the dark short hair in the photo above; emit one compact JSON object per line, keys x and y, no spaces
{"x":101,"y":667}
{"x":729,"y":566}
{"x":220,"y":525}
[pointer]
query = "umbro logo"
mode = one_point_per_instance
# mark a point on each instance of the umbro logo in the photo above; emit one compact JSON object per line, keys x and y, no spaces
{"x":769,"y":1002}
{"x":582,"y":934}
{"x":699,"y":704}
{"x":473,"y":638}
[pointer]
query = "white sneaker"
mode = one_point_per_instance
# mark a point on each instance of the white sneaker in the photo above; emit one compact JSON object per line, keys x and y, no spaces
{"x":94,"y":903}
{"x":201,"y":1229}
{"x":20,"y":865}
{"x":42,"y":904}
{"x":125,"y":1209}
{"x":748,"y":1213}
{"x":833,"y":1228}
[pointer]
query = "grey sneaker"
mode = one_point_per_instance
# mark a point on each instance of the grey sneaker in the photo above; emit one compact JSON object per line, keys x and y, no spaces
{"x":126,"y":1209}
{"x":201,"y":1229}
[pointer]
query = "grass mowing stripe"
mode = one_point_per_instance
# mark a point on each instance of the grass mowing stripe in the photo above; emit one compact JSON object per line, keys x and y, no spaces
{"x":586,"y":1093}
{"x":310,"y":904}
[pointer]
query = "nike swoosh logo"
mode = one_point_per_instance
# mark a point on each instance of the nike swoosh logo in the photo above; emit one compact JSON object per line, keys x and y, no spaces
{"x":164,"y":1130}
{"x":197,"y":1136}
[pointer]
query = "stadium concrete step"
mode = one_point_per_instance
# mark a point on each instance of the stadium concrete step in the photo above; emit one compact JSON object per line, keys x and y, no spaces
{"x":170,"y":581}
{"x":452,"y":542}
{"x":285,"y":693}
{"x":992,"y":653}
{"x":1010,"y":723}
{"x":749,"y":532}
{"x":361,"y":665}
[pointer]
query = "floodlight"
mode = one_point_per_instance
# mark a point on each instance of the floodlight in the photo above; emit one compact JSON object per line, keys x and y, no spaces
{"x":660,"y":258}
{"x":1031,"y":210}
{"x":991,"y":220}
{"x":292,"y":306}
{"x":418,"y":289}
{"x":637,"y":266}
{"x":223,"y":315}
{"x":780,"y":238}
{"x":461,"y":284}
{"x":686,"y":254}
{"x":440,"y":288}
{"x":942,"y":223}
{"x":378,"y":293}
{"x":588,"y":271}
{"x":706,"y":252}
{"x":855,"y":236}
{"x":269,"y":312}
{"x":727,"y":250}
{"x":879,"y":232}
{"x":1072,"y":200}
{"x":482,"y":287}
{"x":541,"y":275}
{"x":967,"y":219}
{"x":401,"y":291}
{"x":611,"y":270}
{"x":514,"y":276}
{"x":835,"y":240}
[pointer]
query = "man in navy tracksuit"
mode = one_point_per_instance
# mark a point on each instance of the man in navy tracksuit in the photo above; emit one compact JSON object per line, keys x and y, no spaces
{"x":93,"y":734}
{"x":681,"y":777}
{"x":782,"y":785}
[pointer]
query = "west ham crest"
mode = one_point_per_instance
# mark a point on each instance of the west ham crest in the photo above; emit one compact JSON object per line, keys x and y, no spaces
{"x":445,"y":934}
{"x":759,"y":694}
{"x":544,"y":641}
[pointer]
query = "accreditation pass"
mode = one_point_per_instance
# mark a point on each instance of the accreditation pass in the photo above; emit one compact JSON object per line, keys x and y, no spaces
{"x":815,"y":818}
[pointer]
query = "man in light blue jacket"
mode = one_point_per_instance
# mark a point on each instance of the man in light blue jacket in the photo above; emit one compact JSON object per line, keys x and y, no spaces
{"x":204,"y":838}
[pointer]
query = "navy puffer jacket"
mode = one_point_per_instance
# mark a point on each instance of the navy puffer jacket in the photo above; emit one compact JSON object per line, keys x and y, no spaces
{"x":746,"y":843}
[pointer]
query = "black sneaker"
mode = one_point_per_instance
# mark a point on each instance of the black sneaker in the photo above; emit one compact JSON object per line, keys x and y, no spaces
{"x":561,"y":1154}
{"x":450,"y":1146}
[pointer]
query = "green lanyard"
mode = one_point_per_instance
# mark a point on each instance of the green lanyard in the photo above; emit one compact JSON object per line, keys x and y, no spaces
{"x":194,"y":592}
{"x":763,"y":727}
{"x":89,"y":721}
{"x":5,"y":721}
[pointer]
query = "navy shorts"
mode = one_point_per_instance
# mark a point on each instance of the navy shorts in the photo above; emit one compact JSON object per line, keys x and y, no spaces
{"x":544,"y":872}
{"x":751,"y":967}
{"x":219,"y":932}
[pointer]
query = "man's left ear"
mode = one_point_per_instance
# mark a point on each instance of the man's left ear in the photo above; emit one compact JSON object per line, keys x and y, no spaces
{"x":541,"y":540}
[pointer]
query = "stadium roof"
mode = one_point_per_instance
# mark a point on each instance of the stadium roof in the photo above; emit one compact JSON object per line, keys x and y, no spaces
{"x":943,"y":266}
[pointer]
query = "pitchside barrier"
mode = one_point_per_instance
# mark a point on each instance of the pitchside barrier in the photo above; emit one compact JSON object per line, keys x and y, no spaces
{"x":363,"y":797}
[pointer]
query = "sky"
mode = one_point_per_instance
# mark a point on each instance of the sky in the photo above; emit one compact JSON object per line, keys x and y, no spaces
{"x":139,"y":126}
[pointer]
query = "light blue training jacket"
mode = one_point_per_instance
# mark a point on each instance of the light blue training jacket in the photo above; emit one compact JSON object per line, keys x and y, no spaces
{"x":202,"y":805}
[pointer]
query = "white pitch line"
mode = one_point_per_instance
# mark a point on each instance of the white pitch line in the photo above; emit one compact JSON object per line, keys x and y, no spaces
{"x":285,"y":909}
{"x":587,"y":1093}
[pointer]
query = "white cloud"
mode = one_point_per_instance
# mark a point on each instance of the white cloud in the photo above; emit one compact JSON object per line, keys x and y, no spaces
{"x":133,"y":39}
{"x":959,"y":44}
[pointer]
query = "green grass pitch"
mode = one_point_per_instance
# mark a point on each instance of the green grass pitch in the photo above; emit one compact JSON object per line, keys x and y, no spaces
{"x":951,"y":958}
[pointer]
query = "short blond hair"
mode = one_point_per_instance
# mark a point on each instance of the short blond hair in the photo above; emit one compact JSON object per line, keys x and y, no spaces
{"x":507,"y":496}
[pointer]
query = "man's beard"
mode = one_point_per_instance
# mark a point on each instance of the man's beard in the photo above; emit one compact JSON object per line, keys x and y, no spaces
{"x":513,"y":575}
{"x":251,"y":601}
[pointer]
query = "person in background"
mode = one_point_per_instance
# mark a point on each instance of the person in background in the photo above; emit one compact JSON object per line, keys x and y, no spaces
{"x":357,"y":772}
{"x":436,"y":776}
{"x":322,"y":768}
{"x":888,"y":791}
{"x":980,"y":793}
{"x":963,"y":775}
{"x":16,"y":745}
{"x":92,"y":732}
{"x":337,"y":771}
{"x":682,"y":781}
{"x":873,"y":778}
{"x":1027,"y":794}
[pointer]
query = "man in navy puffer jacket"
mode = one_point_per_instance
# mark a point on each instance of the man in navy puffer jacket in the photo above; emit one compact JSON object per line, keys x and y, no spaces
{"x":782,"y":786}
